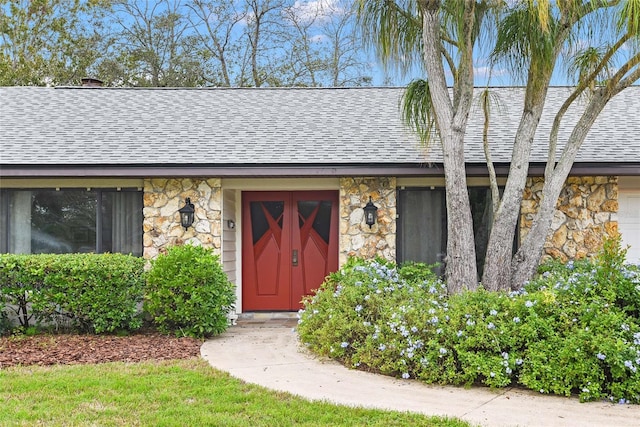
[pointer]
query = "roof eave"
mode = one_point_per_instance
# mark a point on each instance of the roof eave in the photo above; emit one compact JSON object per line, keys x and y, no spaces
{"x":289,"y":171}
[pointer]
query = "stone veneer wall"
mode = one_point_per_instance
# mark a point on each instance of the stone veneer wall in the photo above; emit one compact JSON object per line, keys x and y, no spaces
{"x":163,"y":198}
{"x":356,"y":238}
{"x":586,"y":212}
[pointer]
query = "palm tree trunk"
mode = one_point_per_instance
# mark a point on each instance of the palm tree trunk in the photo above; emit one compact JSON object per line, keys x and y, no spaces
{"x":451,"y":119}
{"x":497,"y":269}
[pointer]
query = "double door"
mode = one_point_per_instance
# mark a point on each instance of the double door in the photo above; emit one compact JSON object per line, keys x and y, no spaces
{"x":289,"y":246}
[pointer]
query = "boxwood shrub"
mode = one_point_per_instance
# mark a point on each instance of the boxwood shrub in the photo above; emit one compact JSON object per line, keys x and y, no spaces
{"x":88,"y":292}
{"x":188,"y":293}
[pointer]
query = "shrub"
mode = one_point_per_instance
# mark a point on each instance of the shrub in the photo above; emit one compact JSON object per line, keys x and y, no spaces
{"x":20,"y":277}
{"x":92,"y":292}
{"x":572,"y":330}
{"x":188,"y":293}
{"x":593,"y":342}
{"x":97,"y":292}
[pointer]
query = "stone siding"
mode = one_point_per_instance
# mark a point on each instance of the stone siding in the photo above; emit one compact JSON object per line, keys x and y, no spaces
{"x":586,"y":212}
{"x":356,"y":238}
{"x":163,"y":198}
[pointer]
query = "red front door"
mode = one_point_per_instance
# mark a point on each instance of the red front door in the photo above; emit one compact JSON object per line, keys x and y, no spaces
{"x":289,"y":245}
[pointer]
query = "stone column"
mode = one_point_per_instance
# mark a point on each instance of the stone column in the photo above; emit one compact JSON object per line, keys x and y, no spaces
{"x":356,"y":238}
{"x":161,"y":224}
{"x":585,"y":214}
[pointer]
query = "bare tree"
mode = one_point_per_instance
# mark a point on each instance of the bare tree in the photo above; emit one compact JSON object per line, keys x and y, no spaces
{"x":324,"y":44}
{"x":216,"y":24}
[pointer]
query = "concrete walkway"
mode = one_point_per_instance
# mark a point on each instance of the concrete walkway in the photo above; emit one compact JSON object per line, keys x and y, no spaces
{"x":268,"y":354}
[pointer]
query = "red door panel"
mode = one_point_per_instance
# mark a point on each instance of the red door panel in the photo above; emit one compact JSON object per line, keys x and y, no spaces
{"x":317,"y":237}
{"x":290,"y":244}
{"x":266,"y":245}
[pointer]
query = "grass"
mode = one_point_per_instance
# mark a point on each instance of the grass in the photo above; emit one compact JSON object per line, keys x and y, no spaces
{"x":174,"y":393}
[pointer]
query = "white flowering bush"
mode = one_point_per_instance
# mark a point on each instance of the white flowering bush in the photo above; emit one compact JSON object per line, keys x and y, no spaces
{"x":574,"y":329}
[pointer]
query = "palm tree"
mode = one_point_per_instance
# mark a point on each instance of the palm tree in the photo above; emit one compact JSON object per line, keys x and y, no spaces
{"x":530,"y":36}
{"x":556,"y":27}
{"x":442,"y":36}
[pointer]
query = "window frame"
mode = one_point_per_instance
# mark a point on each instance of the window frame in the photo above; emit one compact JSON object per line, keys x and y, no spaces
{"x":5,"y":221}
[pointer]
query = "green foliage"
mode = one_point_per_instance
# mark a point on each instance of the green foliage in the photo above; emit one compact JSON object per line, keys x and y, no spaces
{"x":592,"y":341}
{"x":46,"y":42}
{"x":100,"y":293}
{"x":5,"y":324}
{"x":574,"y":329}
{"x":93,"y":293}
{"x":188,"y":293}
{"x":20,"y":277}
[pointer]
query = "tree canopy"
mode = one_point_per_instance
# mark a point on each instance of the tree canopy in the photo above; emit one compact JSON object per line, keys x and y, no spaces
{"x":181,"y":43}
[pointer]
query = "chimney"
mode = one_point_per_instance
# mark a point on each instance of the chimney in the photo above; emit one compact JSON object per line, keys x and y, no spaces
{"x":91,"y":82}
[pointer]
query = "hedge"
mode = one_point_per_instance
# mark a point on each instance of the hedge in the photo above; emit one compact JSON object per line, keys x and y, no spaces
{"x":91,"y":292}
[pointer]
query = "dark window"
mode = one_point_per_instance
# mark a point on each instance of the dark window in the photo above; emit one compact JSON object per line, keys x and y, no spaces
{"x":322,"y":220}
{"x":422,"y":224}
{"x":260,"y":224}
{"x":67,"y":221}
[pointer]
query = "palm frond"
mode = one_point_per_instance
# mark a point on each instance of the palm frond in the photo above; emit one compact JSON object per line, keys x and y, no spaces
{"x":417,"y":110}
{"x":526,"y":39}
{"x":587,"y":61}
{"x":393,"y":29}
{"x":629,"y":18}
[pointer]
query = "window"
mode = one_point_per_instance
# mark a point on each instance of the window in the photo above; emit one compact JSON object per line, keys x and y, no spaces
{"x":422,"y":224}
{"x":71,"y":220}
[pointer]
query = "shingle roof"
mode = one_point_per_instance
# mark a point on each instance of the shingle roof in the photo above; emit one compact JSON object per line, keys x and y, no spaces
{"x":248,"y":126}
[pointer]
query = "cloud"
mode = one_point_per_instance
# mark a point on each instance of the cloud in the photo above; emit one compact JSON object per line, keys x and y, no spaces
{"x":324,"y":10}
{"x":484,"y":72}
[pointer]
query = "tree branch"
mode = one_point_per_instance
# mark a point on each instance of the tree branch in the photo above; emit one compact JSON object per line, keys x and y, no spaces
{"x":584,"y":84}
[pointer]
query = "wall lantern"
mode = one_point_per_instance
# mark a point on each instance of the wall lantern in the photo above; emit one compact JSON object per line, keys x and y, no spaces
{"x":186,"y":213}
{"x":370,"y":213}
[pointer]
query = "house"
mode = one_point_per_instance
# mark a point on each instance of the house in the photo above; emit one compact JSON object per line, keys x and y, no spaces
{"x":279,"y":177}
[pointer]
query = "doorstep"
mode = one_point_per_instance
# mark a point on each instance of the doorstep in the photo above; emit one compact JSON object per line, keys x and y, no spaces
{"x":268,"y":319}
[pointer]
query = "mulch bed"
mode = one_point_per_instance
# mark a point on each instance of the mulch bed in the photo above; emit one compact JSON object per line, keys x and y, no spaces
{"x":69,"y":349}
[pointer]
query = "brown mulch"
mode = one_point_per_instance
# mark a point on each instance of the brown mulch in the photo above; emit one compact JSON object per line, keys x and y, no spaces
{"x":69,"y":349}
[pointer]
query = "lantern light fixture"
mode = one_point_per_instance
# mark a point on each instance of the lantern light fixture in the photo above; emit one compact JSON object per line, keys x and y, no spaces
{"x":370,"y":213}
{"x":187,"y":213}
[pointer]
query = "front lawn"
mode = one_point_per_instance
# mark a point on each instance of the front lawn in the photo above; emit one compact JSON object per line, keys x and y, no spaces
{"x":171,"y":393}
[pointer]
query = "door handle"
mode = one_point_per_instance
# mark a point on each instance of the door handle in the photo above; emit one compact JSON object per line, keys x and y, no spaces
{"x":294,"y":258}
